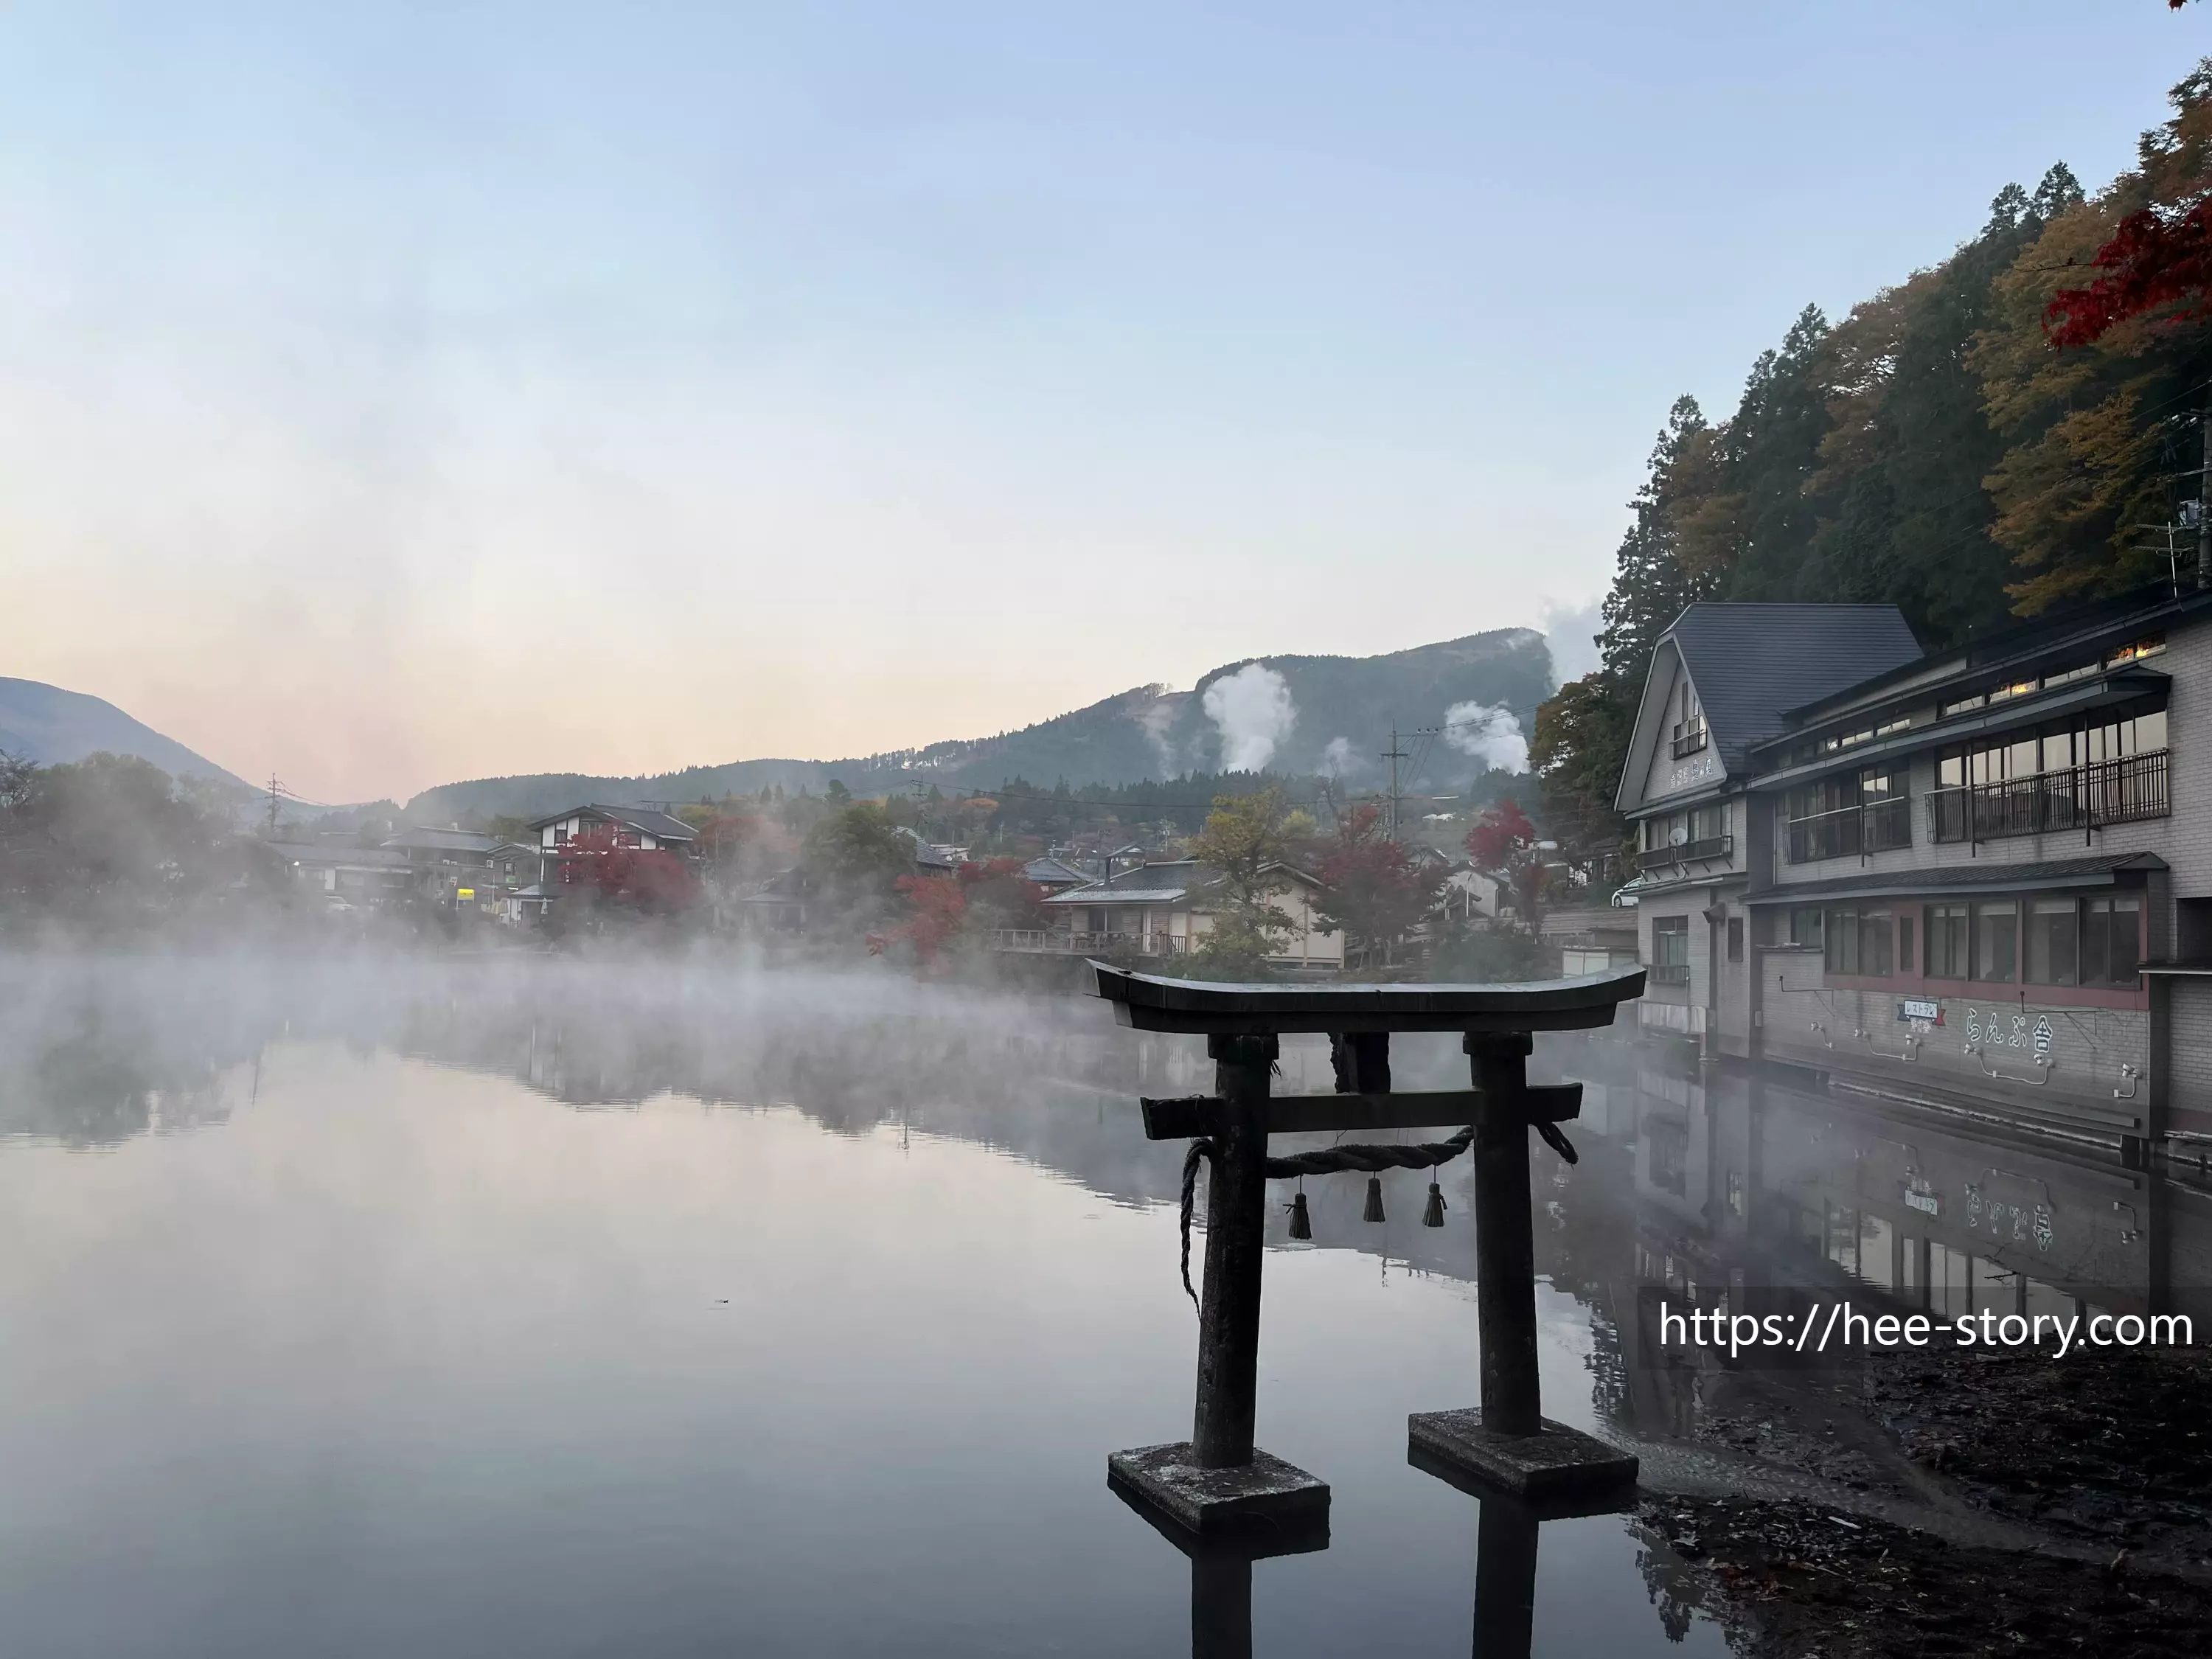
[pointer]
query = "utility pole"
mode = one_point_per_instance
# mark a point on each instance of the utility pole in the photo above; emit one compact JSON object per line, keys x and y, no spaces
{"x":2203,"y":499}
{"x":1393,"y":755}
{"x":275,"y":794}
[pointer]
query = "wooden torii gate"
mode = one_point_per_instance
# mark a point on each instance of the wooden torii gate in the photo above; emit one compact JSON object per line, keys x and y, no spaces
{"x":1218,"y":1480}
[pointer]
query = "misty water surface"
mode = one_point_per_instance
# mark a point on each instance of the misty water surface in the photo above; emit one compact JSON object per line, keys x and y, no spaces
{"x":592,"y":1308}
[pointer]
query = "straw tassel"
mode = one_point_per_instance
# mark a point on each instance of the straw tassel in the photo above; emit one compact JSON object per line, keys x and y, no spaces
{"x":1374,"y":1199}
{"x":1433,"y":1216}
{"x":1301,"y":1226}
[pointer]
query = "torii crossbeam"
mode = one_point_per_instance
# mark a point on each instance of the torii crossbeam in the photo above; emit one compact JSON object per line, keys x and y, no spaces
{"x":1218,"y":1480}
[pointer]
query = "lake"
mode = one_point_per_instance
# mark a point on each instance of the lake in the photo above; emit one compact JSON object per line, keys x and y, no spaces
{"x":573,"y":1308}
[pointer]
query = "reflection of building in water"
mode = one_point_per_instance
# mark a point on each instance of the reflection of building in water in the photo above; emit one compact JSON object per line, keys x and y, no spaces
{"x":1766,"y":1199}
{"x":1720,"y":1191}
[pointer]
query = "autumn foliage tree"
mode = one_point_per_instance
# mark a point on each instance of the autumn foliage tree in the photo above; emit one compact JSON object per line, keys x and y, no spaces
{"x":1241,"y":839}
{"x":936,"y":906}
{"x":1503,"y":845}
{"x":606,"y":865}
{"x":1376,"y":892}
{"x":944,"y":911}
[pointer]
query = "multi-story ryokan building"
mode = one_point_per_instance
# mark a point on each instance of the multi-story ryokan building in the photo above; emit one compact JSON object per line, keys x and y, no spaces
{"x":1979,"y":876}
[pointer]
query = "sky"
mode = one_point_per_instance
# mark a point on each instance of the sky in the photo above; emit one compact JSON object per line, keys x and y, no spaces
{"x":395,"y":393}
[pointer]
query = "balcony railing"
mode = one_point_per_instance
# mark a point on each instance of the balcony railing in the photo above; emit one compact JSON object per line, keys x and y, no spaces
{"x":1689,"y":737}
{"x":2124,"y":790}
{"x":1045,"y":941}
{"x":1669,"y":973}
{"x":1688,"y":852}
{"x":1847,"y":831}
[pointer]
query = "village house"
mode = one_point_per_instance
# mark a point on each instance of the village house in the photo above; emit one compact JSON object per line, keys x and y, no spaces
{"x":645,"y":829}
{"x":1161,"y":909}
{"x":1054,"y":875}
{"x":1591,"y":939}
{"x":641,"y":827}
{"x":779,"y":904}
{"x":1976,"y":875}
{"x":452,"y":867}
{"x":348,"y":875}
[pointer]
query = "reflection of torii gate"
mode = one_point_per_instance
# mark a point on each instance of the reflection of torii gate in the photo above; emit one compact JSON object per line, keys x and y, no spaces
{"x":1219,"y":1481}
{"x":1505,"y":1550}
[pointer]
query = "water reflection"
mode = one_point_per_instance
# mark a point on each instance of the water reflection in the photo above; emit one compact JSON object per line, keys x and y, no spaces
{"x":857,"y":1273}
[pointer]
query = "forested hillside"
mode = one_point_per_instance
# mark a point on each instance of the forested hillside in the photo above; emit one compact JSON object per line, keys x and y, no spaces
{"x":1469,"y":700}
{"x":2019,"y":427}
{"x":50,"y":726}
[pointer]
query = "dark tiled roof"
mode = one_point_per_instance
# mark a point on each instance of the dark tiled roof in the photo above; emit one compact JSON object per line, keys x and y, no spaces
{"x":443,"y":841}
{"x":1051,"y":872}
{"x":301,"y":852}
{"x":1750,"y":662}
{"x":925,"y":854}
{"x":1974,"y":877}
{"x":661,"y":826}
{"x":1148,"y":883}
{"x":2064,"y":631}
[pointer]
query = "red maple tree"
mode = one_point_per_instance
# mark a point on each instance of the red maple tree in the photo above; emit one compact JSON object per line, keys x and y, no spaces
{"x":1504,"y":844}
{"x":1376,"y":891}
{"x":939,"y":907}
{"x":607,"y":861}
{"x":2151,"y":261}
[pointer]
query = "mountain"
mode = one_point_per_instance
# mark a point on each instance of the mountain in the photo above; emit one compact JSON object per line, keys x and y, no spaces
{"x":1296,"y":714}
{"x":45,"y":724}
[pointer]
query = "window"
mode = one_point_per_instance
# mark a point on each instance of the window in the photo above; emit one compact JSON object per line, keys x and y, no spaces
{"x":1709,"y":823}
{"x":2053,"y":749}
{"x":2054,"y":933}
{"x":1947,"y":941}
{"x":1842,"y":952}
{"x":1847,"y":814}
{"x":1996,"y":940}
{"x":2111,"y":939}
{"x":1736,"y":938}
{"x":1907,"y":964}
{"x":1877,"y":1251}
{"x":1875,"y":935}
{"x":1859,"y":943}
{"x":2079,"y":775}
{"x":1689,"y":733}
{"x":1805,"y":927}
{"x":1670,"y":949}
{"x":2149,"y":646}
{"x":1887,"y":812}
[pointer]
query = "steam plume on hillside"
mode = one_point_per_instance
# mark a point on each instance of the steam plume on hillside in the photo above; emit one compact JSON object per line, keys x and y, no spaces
{"x":1253,"y":711}
{"x":1488,"y":732}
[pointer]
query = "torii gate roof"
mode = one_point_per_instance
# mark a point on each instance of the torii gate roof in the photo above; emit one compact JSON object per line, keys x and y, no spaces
{"x":1151,"y":1003}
